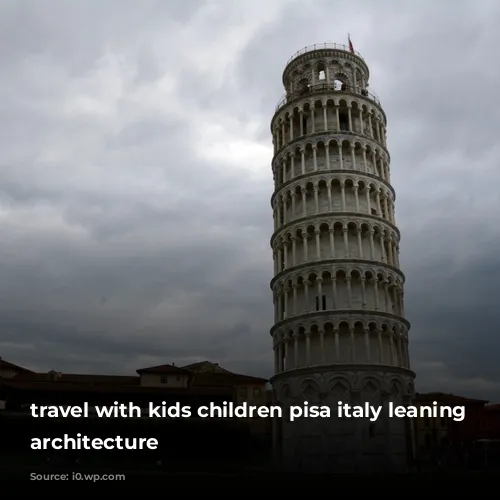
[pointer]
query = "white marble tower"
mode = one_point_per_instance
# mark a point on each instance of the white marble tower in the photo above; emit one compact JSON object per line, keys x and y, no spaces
{"x":339,"y":329}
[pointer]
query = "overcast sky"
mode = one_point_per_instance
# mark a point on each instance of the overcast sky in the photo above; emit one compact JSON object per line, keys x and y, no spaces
{"x":135,"y":177}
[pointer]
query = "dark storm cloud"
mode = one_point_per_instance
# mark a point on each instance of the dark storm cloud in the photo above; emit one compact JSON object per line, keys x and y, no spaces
{"x":135,"y":178}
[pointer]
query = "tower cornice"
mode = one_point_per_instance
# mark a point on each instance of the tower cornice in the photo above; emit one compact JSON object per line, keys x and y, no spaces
{"x":323,"y":50}
{"x":325,"y":91}
{"x":350,"y":316}
{"x":322,"y":136}
{"x":355,"y":372}
{"x":332,"y":218}
{"x":333,"y":174}
{"x":339,"y":264}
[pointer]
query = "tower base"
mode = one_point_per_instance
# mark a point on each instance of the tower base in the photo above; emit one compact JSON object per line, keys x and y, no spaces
{"x":339,"y":444}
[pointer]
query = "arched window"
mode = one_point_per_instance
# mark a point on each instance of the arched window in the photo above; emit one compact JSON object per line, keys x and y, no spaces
{"x":343,"y":119}
{"x":341,"y":82}
{"x":321,"y":71}
{"x":304,"y":86}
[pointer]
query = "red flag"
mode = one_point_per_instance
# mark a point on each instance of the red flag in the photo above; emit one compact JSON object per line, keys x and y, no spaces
{"x":351,"y":48}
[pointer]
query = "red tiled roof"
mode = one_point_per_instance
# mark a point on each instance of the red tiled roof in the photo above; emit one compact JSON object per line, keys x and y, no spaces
{"x":208,"y":374}
{"x":495,"y":407}
{"x":11,"y":366}
{"x":56,"y":386}
{"x":165,"y":370}
{"x":442,"y":397}
{"x":78,"y":378}
{"x":206,"y":367}
{"x":225,"y":380}
{"x":214,"y":377}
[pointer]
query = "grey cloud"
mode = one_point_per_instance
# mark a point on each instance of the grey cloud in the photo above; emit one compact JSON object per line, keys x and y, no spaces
{"x":134,"y":234}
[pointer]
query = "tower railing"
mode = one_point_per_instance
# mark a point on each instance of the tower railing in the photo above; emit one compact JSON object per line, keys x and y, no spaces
{"x":325,"y":87}
{"x":319,"y":46}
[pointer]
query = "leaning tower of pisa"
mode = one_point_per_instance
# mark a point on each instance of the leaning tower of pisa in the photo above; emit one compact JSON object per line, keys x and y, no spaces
{"x":340,"y":332}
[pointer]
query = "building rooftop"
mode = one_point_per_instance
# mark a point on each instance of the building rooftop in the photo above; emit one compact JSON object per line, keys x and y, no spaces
{"x":7,"y":365}
{"x":207,"y":373}
{"x":164,"y":370}
{"x":82,"y":387}
{"x":206,"y":366}
{"x":225,"y":380}
{"x":74,"y":378}
{"x":205,"y":377}
{"x":495,"y":407}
